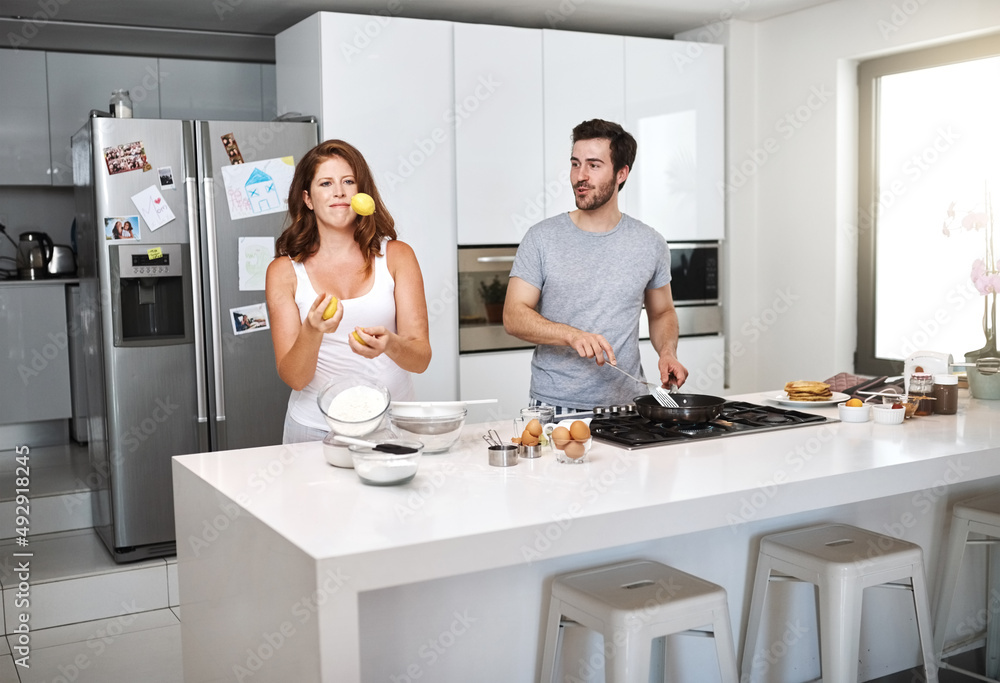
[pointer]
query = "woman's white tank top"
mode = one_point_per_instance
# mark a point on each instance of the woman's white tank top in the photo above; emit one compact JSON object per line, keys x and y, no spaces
{"x":336,"y":360}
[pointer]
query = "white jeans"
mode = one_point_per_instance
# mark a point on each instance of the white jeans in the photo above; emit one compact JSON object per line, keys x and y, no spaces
{"x":297,"y":433}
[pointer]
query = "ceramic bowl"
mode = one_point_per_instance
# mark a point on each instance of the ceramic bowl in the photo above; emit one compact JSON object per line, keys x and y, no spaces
{"x":887,"y":415}
{"x":378,"y":468}
{"x":854,"y":413}
{"x":437,"y":433}
{"x":356,"y":413}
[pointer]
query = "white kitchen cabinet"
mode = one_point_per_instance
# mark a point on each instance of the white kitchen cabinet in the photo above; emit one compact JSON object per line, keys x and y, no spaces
{"x":674,"y":94}
{"x":218,"y":91}
{"x":704,"y":357}
{"x":584,"y":79}
{"x":503,"y":375}
{"x":386,"y":87}
{"x":498,"y":132}
{"x":24,"y":135}
{"x":81,"y":82}
{"x":34,"y":373}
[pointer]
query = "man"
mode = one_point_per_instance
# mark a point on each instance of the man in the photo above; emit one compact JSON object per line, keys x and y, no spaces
{"x":579,"y":282}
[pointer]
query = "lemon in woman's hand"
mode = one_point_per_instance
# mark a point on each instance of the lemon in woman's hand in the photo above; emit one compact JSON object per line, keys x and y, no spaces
{"x":331,"y":308}
{"x":358,"y":337}
{"x":363,"y":204}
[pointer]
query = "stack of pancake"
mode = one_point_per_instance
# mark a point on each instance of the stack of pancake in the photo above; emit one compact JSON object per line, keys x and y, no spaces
{"x":803,"y":390}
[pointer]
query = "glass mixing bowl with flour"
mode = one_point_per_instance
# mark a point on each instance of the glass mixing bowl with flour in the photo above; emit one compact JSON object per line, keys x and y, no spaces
{"x":355,"y":406}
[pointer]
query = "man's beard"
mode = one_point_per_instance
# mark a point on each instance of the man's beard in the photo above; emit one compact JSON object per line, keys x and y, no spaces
{"x":596,"y":198}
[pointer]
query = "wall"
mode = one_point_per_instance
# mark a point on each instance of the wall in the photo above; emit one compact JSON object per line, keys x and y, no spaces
{"x":791,"y":224}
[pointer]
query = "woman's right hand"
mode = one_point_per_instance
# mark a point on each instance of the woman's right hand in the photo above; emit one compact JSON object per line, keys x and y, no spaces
{"x":314,"y":318}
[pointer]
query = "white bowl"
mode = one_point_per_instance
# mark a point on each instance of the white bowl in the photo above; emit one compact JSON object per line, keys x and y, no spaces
{"x":887,"y":415}
{"x":378,"y":468}
{"x":855,"y":413}
{"x":427,"y":409}
{"x":362,"y":424}
{"x":436,"y":433}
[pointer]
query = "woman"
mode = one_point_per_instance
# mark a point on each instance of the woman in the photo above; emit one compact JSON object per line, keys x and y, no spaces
{"x":116,"y":232}
{"x":329,"y":250}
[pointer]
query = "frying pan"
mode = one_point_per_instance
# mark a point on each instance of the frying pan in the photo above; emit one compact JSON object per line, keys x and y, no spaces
{"x":691,"y":408}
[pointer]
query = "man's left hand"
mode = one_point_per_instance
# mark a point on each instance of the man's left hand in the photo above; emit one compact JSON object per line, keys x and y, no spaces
{"x":671,"y":371}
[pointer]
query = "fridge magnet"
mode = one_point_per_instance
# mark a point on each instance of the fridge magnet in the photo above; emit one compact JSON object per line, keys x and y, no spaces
{"x":153,"y":207}
{"x":249,"y":318}
{"x":258,"y":188}
{"x":166,"y":178}
{"x":121,"y":228}
{"x":232,"y":149}
{"x":127,"y":157}
{"x":255,"y":254}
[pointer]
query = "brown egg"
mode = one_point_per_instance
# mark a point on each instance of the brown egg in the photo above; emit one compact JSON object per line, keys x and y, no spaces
{"x":534,"y":427}
{"x":528,"y":439}
{"x":574,"y":450}
{"x":579,"y":430}
{"x":560,"y":437}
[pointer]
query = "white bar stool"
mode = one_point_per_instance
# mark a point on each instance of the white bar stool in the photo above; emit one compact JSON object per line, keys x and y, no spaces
{"x":842,"y":561}
{"x":979,"y":515}
{"x":631,"y":604}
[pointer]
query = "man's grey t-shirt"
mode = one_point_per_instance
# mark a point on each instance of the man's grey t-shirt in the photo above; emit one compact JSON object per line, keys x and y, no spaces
{"x":594,"y":282}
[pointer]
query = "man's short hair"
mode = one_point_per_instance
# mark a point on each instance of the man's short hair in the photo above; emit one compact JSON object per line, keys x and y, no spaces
{"x":623,"y":145}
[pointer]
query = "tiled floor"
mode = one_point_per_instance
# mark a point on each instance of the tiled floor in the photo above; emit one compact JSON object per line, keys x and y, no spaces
{"x":129,"y":648}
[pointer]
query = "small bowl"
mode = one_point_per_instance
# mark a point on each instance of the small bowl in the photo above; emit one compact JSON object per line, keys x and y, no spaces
{"x":437,"y":433}
{"x":371,"y":405}
{"x":854,"y":413}
{"x":378,"y":468}
{"x":887,"y":415}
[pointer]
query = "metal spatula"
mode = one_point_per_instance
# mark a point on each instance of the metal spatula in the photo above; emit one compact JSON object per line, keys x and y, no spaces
{"x":987,"y":366}
{"x":393,"y":448}
{"x":661,"y":395}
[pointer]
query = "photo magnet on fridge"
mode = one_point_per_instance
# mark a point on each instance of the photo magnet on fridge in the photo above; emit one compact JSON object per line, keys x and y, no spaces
{"x":128,"y":157}
{"x":166,"y":178}
{"x":251,"y":318}
{"x":121,"y":228}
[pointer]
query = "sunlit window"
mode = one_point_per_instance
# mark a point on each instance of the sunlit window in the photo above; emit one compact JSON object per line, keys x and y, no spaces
{"x":935,"y":147}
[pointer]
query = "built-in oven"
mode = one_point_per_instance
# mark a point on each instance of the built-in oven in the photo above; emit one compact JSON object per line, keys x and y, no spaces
{"x":483,"y":274}
{"x":484,"y":271}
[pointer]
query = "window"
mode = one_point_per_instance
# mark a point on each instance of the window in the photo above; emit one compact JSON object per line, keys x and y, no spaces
{"x":929,"y":135}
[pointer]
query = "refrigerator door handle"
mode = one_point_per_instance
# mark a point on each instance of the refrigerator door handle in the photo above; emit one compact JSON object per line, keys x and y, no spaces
{"x":191,"y":190}
{"x":213,"y":287}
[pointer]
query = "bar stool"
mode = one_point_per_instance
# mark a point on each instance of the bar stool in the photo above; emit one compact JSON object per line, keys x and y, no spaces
{"x":631,"y":604}
{"x":842,"y":561}
{"x":979,"y":515}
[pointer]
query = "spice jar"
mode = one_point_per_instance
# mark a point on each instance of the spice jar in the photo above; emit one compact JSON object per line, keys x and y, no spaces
{"x":121,"y":104}
{"x":946,"y":392}
{"x":922,"y":389}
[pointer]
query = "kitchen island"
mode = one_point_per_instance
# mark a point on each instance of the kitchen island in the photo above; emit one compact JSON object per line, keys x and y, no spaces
{"x":290,"y":569}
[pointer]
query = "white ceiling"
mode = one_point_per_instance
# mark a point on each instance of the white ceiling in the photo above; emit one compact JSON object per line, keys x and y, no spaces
{"x":654,"y":18}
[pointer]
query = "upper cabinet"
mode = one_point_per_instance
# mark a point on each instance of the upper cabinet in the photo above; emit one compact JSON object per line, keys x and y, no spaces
{"x":583,"y":80}
{"x":498,"y":132}
{"x":674,"y":108}
{"x":217,"y":91}
{"x":81,"y":82}
{"x":24,"y":135}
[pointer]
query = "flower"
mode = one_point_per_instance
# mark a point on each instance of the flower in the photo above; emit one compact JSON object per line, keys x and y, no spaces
{"x":985,"y":271}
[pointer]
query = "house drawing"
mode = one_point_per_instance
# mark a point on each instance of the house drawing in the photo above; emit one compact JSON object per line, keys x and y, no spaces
{"x":261,"y":192}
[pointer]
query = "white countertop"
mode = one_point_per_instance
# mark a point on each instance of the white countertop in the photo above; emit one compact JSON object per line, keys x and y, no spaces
{"x":485,"y":517}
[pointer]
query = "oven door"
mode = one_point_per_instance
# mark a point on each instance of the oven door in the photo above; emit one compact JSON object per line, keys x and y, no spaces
{"x":483,"y":274}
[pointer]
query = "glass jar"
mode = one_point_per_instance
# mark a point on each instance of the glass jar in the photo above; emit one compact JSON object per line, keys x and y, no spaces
{"x":121,"y":104}
{"x":946,"y":392}
{"x":544,"y":415}
{"x":922,"y":388}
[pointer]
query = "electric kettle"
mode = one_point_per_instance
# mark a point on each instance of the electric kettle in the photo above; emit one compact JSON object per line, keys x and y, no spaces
{"x":34,"y":252}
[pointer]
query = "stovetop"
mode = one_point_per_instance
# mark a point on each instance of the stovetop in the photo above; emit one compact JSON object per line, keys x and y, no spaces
{"x":628,"y":429}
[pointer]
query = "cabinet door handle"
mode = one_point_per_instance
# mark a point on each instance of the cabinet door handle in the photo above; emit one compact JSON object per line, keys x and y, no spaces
{"x":495,"y":259}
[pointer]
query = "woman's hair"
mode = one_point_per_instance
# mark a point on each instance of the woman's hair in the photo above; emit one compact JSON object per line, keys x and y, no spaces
{"x":300,"y":239}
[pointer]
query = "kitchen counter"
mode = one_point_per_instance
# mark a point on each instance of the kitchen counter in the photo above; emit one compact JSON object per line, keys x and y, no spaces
{"x":291,"y":569}
{"x":14,"y":282}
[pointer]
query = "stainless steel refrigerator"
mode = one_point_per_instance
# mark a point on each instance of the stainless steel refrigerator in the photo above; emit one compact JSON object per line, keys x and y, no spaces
{"x":175,"y":226}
